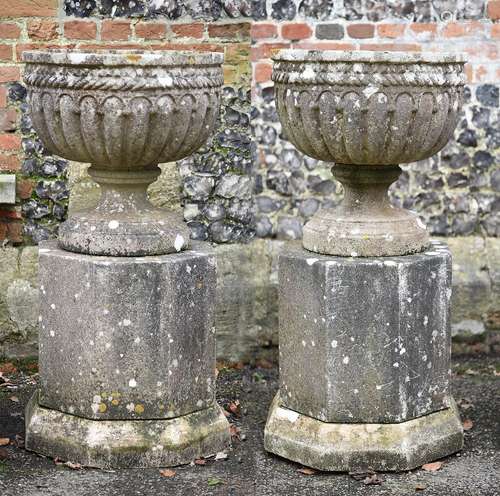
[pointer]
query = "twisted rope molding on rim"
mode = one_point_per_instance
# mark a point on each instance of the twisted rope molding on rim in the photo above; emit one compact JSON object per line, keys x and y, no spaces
{"x":359,"y":74}
{"x":40,"y":78}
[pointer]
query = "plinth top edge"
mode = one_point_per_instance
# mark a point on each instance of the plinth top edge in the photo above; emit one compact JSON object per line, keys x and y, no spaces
{"x":296,"y":55}
{"x":117,"y":58}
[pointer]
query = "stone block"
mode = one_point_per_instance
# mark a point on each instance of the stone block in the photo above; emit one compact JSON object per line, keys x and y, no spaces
{"x":127,"y":337}
{"x":364,"y":340}
{"x":8,"y":189}
{"x":358,"y":447}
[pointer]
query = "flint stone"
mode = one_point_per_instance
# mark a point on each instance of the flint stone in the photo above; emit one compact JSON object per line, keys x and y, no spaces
{"x":364,"y":340}
{"x":127,"y":338}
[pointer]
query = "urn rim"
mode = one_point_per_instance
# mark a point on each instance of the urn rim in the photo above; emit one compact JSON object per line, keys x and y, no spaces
{"x":123,"y":58}
{"x":367,"y":56}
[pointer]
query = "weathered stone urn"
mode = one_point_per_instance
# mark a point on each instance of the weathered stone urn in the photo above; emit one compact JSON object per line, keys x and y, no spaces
{"x":126,"y":325}
{"x":124,"y":112}
{"x":364,"y":330}
{"x":367,"y":112}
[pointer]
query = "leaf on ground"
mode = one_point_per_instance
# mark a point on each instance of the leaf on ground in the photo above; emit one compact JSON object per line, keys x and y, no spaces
{"x":73,"y":466}
{"x":467,"y":424}
{"x":264,"y":364}
{"x":432,"y":467}
{"x":200,"y":461}
{"x":420,"y":487}
{"x":235,"y":408}
{"x":465,"y":404}
{"x":213,"y":481}
{"x":373,"y":480}
{"x":221,"y":456}
{"x":306,"y":471}
{"x":235,"y":432}
{"x":8,"y":368}
{"x":4,"y":441}
{"x":15,"y":399}
{"x":4,"y":454}
{"x":167,"y":472}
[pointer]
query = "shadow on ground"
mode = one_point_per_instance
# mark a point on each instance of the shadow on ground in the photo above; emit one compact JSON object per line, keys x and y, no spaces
{"x":248,"y":469}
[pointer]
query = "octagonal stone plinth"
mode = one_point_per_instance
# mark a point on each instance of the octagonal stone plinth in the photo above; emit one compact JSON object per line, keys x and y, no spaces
{"x":357,"y":447}
{"x":127,"y":338}
{"x":365,"y":340}
{"x":125,"y":443}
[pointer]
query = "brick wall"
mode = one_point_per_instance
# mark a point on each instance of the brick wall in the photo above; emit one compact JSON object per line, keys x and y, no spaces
{"x":457,"y":192}
{"x":213,"y":209}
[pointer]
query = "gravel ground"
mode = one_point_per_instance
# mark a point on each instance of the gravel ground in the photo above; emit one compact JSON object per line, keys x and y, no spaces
{"x":248,"y":469}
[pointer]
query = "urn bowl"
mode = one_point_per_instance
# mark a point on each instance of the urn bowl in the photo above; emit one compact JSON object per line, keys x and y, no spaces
{"x":124,"y":112}
{"x":367,"y":112}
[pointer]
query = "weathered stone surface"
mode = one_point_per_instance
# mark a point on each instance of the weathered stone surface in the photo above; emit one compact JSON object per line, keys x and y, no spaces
{"x":127,"y":338}
{"x":151,"y":107}
{"x":364,"y":340}
{"x":125,"y":444}
{"x":367,"y":109}
{"x":358,"y":447}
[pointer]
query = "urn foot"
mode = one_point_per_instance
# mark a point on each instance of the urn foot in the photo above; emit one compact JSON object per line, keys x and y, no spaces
{"x":125,"y":443}
{"x":340,"y":447}
{"x":365,"y":224}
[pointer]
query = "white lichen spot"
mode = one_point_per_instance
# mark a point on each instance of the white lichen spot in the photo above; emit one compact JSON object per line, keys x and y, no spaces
{"x":132,"y":383}
{"x":345,"y":360}
{"x":304,"y":343}
{"x":175,"y":362}
{"x":354,"y":254}
{"x":169,"y":372}
{"x":424,"y":358}
{"x":137,"y":340}
{"x":395,"y":365}
{"x":334,"y":343}
{"x":402,"y":351}
{"x":107,"y":346}
{"x":178,"y":243}
{"x":356,"y":391}
{"x":426,"y":320}
{"x":370,"y":90}
{"x":52,"y":334}
{"x":53,"y":306}
{"x":311,"y":261}
{"x":126,"y":322}
{"x":130,"y":407}
{"x":390,"y":263}
{"x":113,"y":224}
{"x":188,"y":269}
{"x":91,"y":342}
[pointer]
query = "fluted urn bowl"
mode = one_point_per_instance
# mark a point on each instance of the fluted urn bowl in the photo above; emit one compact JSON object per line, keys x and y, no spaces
{"x":124,"y":112}
{"x":367,"y":112}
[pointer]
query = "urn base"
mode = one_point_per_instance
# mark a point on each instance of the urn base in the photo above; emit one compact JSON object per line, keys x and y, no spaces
{"x":155,"y":232}
{"x":341,"y":447}
{"x":125,"y":443}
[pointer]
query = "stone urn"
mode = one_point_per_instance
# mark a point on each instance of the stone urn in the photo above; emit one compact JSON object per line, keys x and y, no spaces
{"x":124,"y":112}
{"x":367,"y":112}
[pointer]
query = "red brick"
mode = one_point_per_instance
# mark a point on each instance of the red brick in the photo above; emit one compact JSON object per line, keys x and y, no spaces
{"x":28,"y":8}
{"x":424,"y":28}
{"x":296,"y":31}
{"x":390,"y":30}
{"x":9,"y":31}
{"x":9,"y":142}
{"x":9,"y":213}
{"x":8,"y":119}
{"x":6,"y":53}
{"x":115,"y":30}
{"x":150,"y":30}
{"x":482,"y":50}
{"x":265,"y":50}
{"x":42,"y":29}
{"x":262,"y":72}
{"x":229,"y":31}
{"x":24,"y":188}
{"x":9,"y":163}
{"x":392,"y":47}
{"x":194,"y":30}
{"x":80,"y":30}
{"x":201,"y":47}
{"x":469,"y":73}
{"x":9,"y":73}
{"x":263,"y":30}
{"x":495,"y":31}
{"x":459,"y":29}
{"x":480,"y":74}
{"x":3,"y":96}
{"x":15,"y":232}
{"x":493,"y":9}
{"x":328,"y":45}
{"x":361,"y":31}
